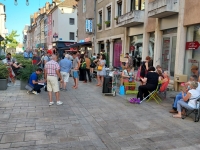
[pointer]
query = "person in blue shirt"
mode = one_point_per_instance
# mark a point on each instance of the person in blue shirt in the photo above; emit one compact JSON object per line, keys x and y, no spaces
{"x":31,"y":54}
{"x":26,"y":55}
{"x":33,"y":81}
{"x":65,"y":67}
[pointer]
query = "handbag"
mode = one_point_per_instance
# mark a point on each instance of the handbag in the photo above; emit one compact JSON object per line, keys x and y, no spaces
{"x":99,"y":68}
{"x":29,"y":87}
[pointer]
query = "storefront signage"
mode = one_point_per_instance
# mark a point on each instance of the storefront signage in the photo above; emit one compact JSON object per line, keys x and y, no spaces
{"x":88,"y":25}
{"x":81,"y":41}
{"x":87,"y":39}
{"x":192,"y":45}
{"x":55,"y":35}
{"x":132,"y":48}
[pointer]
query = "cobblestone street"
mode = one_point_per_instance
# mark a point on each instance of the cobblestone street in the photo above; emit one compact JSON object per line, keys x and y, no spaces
{"x":89,"y":120}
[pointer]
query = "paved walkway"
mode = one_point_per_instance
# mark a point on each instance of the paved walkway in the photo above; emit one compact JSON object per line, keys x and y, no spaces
{"x":90,"y":121}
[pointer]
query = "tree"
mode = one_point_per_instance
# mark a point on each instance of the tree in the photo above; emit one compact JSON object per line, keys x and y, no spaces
{"x":10,"y":40}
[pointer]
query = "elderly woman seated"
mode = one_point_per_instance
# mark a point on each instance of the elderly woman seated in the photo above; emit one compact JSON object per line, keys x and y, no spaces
{"x":164,"y":81}
{"x":189,"y":100}
{"x":151,"y":80}
{"x":128,"y":75}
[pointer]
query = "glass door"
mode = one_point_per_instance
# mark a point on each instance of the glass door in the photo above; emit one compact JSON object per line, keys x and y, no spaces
{"x":169,"y":53}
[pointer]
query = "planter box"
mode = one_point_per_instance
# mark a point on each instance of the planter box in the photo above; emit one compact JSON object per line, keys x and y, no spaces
{"x":3,"y":84}
{"x":23,"y":84}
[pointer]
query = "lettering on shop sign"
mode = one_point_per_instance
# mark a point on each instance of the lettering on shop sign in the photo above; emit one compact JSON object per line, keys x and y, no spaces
{"x":192,"y":45}
{"x":132,"y":48}
{"x":192,"y":61}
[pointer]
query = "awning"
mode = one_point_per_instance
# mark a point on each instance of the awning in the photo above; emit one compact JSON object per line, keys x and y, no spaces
{"x":81,"y":44}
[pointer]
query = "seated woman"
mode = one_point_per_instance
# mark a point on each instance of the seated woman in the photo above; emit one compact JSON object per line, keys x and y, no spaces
{"x":127,"y":75}
{"x":164,"y":81}
{"x":192,"y":95}
{"x":15,"y":67}
{"x":151,"y":80}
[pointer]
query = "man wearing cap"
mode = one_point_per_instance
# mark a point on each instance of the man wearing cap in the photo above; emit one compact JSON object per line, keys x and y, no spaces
{"x":65,"y":67}
{"x":48,"y":56}
{"x":52,"y":73}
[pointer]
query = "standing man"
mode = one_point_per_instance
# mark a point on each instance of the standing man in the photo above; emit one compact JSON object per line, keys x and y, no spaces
{"x":26,"y":55}
{"x":36,"y":61}
{"x":65,"y":67}
{"x":129,"y":61}
{"x":48,"y":56}
{"x":76,"y":65}
{"x":52,"y":72}
{"x":87,"y":70}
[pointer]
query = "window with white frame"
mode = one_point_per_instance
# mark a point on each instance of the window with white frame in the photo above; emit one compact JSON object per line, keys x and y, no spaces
{"x":84,"y":6}
{"x":71,"y":35}
{"x":108,"y":21}
{"x":137,"y":5}
{"x":100,"y":20}
{"x":71,"y":21}
{"x":119,"y":8}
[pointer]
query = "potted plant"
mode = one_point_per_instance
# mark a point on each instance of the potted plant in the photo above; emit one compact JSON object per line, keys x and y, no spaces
{"x":24,"y":74}
{"x":107,"y":23}
{"x":3,"y":76}
{"x":116,"y":18}
{"x":99,"y":26}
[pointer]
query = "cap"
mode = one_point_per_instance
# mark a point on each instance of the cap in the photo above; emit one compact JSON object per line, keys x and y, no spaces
{"x":194,"y":68}
{"x":49,"y":51}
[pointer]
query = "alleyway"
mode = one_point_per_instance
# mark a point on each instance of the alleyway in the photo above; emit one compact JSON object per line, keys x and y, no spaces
{"x":90,"y":121}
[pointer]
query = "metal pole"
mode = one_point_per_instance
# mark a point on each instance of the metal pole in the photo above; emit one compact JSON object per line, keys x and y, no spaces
{"x":94,"y":25}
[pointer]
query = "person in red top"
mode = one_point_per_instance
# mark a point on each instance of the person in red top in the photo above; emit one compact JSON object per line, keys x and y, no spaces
{"x":52,"y":72}
{"x":36,"y":59}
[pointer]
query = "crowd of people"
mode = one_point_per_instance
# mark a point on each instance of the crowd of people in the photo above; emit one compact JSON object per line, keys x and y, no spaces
{"x":56,"y":76}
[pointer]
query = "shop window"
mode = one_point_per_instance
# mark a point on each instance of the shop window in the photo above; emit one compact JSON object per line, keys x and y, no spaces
{"x":151,"y":45}
{"x":136,"y":44}
{"x":100,"y":20}
{"x":119,"y":8}
{"x":137,"y":5}
{"x":108,"y":22}
{"x":71,"y":21}
{"x":71,"y":35}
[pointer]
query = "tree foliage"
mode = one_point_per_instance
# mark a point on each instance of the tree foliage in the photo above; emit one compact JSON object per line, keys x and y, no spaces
{"x":10,"y":40}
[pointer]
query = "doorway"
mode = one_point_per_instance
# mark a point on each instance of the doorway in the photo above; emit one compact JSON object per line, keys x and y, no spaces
{"x":169,"y":53}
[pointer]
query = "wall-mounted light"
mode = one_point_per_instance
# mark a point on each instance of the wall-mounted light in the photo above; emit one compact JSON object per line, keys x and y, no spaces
{"x":62,"y":11}
{"x":27,"y":2}
{"x":15,"y":3}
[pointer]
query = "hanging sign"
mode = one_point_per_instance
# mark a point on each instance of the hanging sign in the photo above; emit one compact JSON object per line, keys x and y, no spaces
{"x":192,"y":45}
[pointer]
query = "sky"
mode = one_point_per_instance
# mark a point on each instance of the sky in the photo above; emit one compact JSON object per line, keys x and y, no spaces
{"x":19,"y":16}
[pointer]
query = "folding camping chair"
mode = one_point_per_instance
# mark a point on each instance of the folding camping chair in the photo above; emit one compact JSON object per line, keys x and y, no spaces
{"x":130,"y":85}
{"x":154,"y":95}
{"x":196,"y":111}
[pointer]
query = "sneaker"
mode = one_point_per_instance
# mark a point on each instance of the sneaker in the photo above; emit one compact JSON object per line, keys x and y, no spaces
{"x":34,"y":92}
{"x":59,"y":103}
{"x":9,"y":84}
{"x":28,"y":92}
{"x":51,"y":103}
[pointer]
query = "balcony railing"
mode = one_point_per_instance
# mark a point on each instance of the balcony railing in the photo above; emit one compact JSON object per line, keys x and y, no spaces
{"x":132,"y":18}
{"x":163,"y":8}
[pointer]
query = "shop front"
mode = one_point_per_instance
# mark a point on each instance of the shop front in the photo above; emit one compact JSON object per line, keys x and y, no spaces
{"x":169,"y":50}
{"x":192,"y":50}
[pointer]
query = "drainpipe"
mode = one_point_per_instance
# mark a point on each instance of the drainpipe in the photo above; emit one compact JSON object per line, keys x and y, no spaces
{"x":94,"y":25}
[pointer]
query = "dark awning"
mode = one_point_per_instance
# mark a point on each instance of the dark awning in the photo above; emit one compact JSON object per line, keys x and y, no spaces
{"x":1,"y":38}
{"x":81,"y":44}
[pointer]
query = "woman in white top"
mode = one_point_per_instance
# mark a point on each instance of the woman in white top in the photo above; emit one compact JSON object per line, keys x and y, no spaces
{"x":101,"y":73}
{"x":127,"y":75}
{"x":192,"y":95}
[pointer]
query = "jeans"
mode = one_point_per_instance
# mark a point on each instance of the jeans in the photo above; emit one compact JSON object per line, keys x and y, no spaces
{"x":87,"y":72}
{"x":144,"y":90}
{"x":184,"y":104}
{"x":37,"y":88}
{"x":178,"y":97}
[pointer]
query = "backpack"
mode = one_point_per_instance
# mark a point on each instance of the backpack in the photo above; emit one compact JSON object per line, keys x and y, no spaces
{"x":83,"y":65}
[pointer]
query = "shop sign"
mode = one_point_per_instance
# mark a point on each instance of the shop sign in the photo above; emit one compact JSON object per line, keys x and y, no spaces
{"x":81,"y":41}
{"x":73,"y":48}
{"x":88,"y":25}
{"x":192,"y":45}
{"x":55,"y":35}
{"x":132,"y":48}
{"x":87,"y":39}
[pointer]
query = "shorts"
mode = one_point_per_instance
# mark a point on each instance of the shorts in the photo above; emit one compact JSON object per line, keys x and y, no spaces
{"x":65,"y":76}
{"x":75,"y":74}
{"x":52,"y":84}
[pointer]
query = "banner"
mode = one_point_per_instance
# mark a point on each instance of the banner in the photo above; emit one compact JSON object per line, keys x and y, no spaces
{"x":88,"y":25}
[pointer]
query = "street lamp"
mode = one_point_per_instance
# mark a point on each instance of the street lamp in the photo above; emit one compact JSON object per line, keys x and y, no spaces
{"x":16,"y":3}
